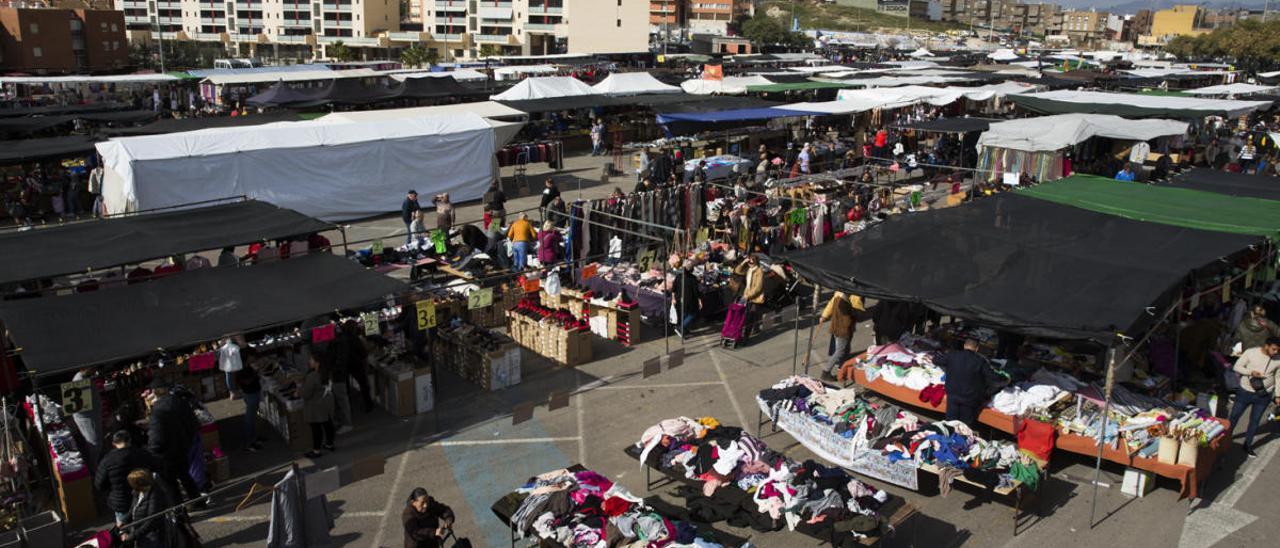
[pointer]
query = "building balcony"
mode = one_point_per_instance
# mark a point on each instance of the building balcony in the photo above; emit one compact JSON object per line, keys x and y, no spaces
{"x":408,"y":36}
{"x":451,"y":5}
{"x":447,"y":37}
{"x":305,"y":23}
{"x":350,"y":40}
{"x":168,"y":5}
{"x":293,"y":39}
{"x":539,"y":27}
{"x":169,"y":20}
{"x":492,"y":38}
{"x":546,"y":10}
{"x":127,"y":4}
{"x":137,"y":19}
{"x":331,"y":6}
{"x":212,"y":20}
{"x":488,"y":4}
{"x":337,"y":24}
{"x":208,"y":36}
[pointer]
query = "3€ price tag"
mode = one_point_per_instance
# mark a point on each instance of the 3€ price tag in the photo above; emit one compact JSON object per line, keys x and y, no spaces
{"x":77,"y":396}
{"x":480,"y":298}
{"x":426,"y":314}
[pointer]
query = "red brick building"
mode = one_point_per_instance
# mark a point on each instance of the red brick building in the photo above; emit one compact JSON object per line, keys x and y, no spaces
{"x":62,"y":41}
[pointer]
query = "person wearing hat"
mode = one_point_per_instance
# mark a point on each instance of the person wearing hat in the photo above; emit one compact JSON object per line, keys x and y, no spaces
{"x":408,"y":212}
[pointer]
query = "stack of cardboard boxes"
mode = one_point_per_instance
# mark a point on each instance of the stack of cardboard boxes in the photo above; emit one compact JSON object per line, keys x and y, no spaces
{"x":401,"y":385}
{"x":494,"y":365}
{"x":568,"y":347}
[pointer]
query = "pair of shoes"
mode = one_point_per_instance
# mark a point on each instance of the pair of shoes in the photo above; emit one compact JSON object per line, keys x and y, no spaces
{"x":827,"y":376}
{"x":344,"y":429}
{"x":329,"y":447}
{"x":313,"y":454}
{"x":1248,"y":452}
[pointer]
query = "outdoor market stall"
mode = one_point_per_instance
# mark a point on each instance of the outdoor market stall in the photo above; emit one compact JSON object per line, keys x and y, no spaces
{"x":1039,"y":146}
{"x":1132,"y":105}
{"x":1239,"y":185}
{"x":1048,"y":271}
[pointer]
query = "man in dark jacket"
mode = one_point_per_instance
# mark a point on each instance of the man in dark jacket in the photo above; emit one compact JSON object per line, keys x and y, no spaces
{"x":426,"y":521}
{"x":112,"y":477}
{"x":686,"y":298}
{"x":170,"y":434}
{"x":969,"y":382}
{"x":408,"y":212}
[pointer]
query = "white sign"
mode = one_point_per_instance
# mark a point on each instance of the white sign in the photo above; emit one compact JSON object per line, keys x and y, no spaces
{"x":424,"y":392}
{"x":1011,"y":178}
{"x":823,"y":440}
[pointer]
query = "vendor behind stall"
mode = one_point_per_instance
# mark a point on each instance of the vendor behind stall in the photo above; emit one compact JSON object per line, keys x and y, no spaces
{"x":969,"y":382}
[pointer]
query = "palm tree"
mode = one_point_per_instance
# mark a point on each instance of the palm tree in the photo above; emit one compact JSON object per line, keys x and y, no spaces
{"x":341,"y":52}
{"x":414,"y":56}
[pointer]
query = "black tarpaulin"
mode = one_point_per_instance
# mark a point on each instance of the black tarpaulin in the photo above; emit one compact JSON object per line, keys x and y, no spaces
{"x":348,"y":91}
{"x":61,"y":109}
{"x":1022,"y":264}
{"x":432,"y":88}
{"x":951,"y":125}
{"x":77,"y":247}
{"x":280,"y":95}
{"x":32,"y":124}
{"x":183,"y":310}
{"x":176,"y":125}
{"x":1230,"y":184}
{"x":534,"y":106}
{"x":20,"y":151}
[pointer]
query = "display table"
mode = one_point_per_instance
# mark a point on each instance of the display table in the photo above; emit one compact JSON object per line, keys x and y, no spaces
{"x":75,"y":497}
{"x":563,"y":346}
{"x":493,"y":368}
{"x":285,"y":416}
{"x":1190,"y":476}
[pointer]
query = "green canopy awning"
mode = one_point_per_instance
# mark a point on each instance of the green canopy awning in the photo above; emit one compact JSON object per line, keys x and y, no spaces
{"x":797,"y":86}
{"x":1164,"y":205}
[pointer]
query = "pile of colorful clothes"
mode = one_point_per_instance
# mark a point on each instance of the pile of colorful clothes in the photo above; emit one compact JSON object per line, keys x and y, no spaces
{"x":584,"y":509}
{"x":851,"y":416}
{"x":747,"y":484}
{"x":902,"y":365}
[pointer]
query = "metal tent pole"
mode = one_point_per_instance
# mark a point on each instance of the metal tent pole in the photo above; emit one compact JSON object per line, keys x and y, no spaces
{"x":1102,"y":434}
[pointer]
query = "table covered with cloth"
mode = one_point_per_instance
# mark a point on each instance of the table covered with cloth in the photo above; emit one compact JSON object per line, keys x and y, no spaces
{"x":1190,"y":477}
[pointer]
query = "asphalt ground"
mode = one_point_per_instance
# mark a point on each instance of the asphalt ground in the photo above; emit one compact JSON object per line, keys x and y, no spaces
{"x":468,"y":453}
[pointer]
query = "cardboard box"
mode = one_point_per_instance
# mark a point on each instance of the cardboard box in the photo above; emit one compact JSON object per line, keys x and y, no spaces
{"x":220,"y":469}
{"x":1137,"y":483}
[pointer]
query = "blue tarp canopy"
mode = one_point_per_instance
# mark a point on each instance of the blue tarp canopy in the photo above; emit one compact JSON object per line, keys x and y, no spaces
{"x":684,"y":123}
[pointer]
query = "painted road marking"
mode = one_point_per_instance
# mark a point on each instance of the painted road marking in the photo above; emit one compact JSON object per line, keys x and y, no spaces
{"x":1205,"y":527}
{"x":715,"y":360}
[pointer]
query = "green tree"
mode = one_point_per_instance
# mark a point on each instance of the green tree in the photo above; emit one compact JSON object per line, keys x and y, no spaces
{"x":414,"y":56}
{"x":735,"y":26}
{"x":339,"y":51}
{"x":489,"y":50}
{"x":433,"y":56}
{"x":767,"y":31}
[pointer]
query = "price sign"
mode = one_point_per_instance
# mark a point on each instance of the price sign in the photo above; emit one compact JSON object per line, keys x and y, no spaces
{"x":426,"y":314}
{"x":77,"y":396}
{"x":1248,"y":278}
{"x":646,"y":259}
{"x":589,"y":271}
{"x":377,"y":247}
{"x":532,"y":285}
{"x":480,"y":298}
{"x":1226,"y":292}
{"x":370,"y":321}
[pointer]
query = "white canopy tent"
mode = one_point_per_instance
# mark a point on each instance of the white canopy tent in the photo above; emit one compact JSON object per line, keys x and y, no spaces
{"x":505,"y":121}
{"x":1050,"y":133}
{"x":1003,"y":55}
{"x":1231,"y":90}
{"x":286,"y":76}
{"x":330,"y":169}
{"x":730,"y":85}
{"x":633,"y":83}
{"x":545,"y":87}
{"x":852,"y":101}
{"x":922,"y":52}
{"x":507,"y":73}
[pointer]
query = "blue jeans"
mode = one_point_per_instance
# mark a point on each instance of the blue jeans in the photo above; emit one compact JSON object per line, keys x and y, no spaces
{"x":521,"y":250}
{"x":1245,"y":398}
{"x":251,"y":417}
{"x":686,"y":322}
{"x":122,"y":518}
{"x":408,"y":229}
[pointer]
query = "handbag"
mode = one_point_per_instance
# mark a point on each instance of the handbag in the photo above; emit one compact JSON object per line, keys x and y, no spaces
{"x":1258,"y":384}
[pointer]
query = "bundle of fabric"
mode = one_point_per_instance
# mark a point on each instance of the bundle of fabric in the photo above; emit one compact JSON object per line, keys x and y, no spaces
{"x":584,"y":509}
{"x":749,"y":485}
{"x":952,"y":446}
{"x":861,"y":422}
{"x":900,"y":365}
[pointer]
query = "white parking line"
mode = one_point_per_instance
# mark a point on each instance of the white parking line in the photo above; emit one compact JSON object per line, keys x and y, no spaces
{"x":672,"y":385}
{"x":715,"y":360}
{"x":394,"y":495}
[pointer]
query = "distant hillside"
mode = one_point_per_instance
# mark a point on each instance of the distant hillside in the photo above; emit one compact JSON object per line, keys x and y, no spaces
{"x":845,"y":18}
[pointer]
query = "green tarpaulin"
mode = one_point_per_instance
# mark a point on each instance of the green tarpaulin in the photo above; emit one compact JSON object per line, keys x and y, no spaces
{"x":1164,"y":205}
{"x":797,"y":86}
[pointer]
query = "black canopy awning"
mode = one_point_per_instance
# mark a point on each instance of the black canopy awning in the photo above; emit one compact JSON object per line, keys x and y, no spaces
{"x":433,"y":88}
{"x":20,"y":151}
{"x":183,"y":310}
{"x":347,"y":91}
{"x":32,"y":124}
{"x":1023,"y":265}
{"x":951,"y":125}
{"x":1230,"y":184}
{"x":61,"y":109}
{"x":534,"y":106}
{"x":77,"y":247}
{"x":176,"y":125}
{"x":280,"y":94}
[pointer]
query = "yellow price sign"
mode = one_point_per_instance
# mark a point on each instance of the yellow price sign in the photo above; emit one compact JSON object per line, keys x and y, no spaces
{"x":370,"y":321}
{"x":426,"y":314}
{"x":377,"y":247}
{"x":480,"y":298}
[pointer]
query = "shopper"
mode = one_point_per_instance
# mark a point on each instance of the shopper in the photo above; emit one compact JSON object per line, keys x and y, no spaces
{"x":89,"y":419}
{"x":549,"y":192}
{"x":170,"y":435}
{"x":549,"y":245}
{"x":686,"y":301}
{"x":351,"y":345}
{"x":444,"y":213}
{"x":408,"y":212}
{"x":250,"y":386}
{"x":842,"y":314}
{"x":229,"y":362}
{"x":522,"y":236}
{"x":496,"y":199}
{"x":228,"y":257}
{"x":1259,"y":371}
{"x":597,"y":138}
{"x":112,"y":477}
{"x":426,"y":521}
{"x":151,"y":497}
{"x":1125,"y":174}
{"x":317,"y":405}
{"x":339,"y":371}
{"x":969,"y":382}
{"x":1254,"y":330}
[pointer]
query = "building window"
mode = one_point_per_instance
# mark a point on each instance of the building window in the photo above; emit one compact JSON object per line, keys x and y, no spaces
{"x":35,"y":29}
{"x":37,"y":52}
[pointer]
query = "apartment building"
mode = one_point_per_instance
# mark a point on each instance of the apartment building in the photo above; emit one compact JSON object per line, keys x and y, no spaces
{"x":667,"y":15}
{"x":1084,"y":27}
{"x":453,"y":29}
{"x":62,"y":41}
{"x":710,"y":16}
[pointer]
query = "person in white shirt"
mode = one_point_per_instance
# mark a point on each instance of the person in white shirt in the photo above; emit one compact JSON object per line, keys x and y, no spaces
{"x":1259,"y":371}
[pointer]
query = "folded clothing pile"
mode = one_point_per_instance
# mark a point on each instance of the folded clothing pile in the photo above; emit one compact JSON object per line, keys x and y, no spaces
{"x":584,"y":509}
{"x":750,"y":485}
{"x":901,"y":366}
